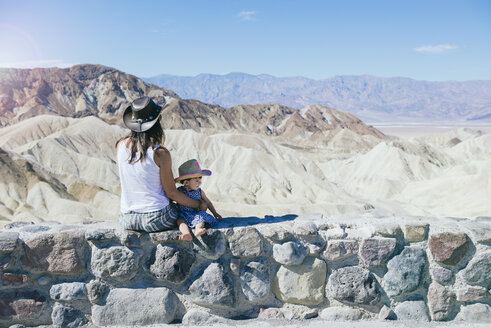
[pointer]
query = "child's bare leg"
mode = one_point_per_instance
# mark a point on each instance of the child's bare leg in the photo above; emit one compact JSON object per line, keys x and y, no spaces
{"x":200,"y":229}
{"x":184,"y":229}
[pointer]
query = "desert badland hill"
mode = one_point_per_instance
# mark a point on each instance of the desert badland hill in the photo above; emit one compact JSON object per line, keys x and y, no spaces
{"x":57,"y":155}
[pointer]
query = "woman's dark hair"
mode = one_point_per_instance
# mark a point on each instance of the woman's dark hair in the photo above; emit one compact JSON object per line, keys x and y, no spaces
{"x":140,"y":141}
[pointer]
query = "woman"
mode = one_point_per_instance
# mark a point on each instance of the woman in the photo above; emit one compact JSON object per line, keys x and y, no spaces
{"x":145,"y":171}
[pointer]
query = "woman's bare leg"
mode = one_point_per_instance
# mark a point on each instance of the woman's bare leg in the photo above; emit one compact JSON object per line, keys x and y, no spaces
{"x":200,"y":229}
{"x":184,"y":229}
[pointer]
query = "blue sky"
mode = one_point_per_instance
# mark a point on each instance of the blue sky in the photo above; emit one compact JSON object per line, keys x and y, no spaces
{"x":424,"y":40}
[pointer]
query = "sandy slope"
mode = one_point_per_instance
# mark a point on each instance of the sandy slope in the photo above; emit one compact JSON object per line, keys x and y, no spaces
{"x":67,"y":172}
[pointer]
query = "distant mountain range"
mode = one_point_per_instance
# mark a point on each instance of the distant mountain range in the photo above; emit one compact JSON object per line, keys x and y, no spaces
{"x":373,"y":99}
{"x":104,"y":92}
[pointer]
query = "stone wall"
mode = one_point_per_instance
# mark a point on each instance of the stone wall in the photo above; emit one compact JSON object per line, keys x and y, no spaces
{"x":330,"y":268}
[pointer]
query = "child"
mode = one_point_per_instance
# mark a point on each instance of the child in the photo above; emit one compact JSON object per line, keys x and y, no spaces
{"x":190,"y":175}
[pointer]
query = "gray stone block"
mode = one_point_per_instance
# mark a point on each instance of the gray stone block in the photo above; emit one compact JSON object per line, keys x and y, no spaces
{"x":8,"y":242}
{"x":354,"y":285}
{"x":136,"y":307}
{"x":245,"y":242}
{"x":442,"y":275}
{"x":478,"y":312}
{"x":172,"y":263}
{"x":289,"y":253}
{"x":376,"y":251}
{"x":478,"y":271}
{"x":68,"y":291}
{"x":96,"y":290}
{"x":213,"y":288}
{"x":341,"y":313}
{"x":405,"y":271}
{"x":67,"y":317}
{"x":254,"y":279}
{"x":340,"y":249}
{"x":118,"y":262}
{"x":441,"y":302}
{"x":64,"y":253}
{"x":301,"y":284}
{"x":199,"y":318}
{"x":412,"y":311}
{"x":210,"y":245}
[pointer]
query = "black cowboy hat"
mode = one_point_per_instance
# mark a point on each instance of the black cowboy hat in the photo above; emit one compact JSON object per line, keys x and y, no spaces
{"x":141,"y":114}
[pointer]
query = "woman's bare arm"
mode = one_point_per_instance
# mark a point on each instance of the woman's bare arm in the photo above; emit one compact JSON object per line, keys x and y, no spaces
{"x":163,"y":160}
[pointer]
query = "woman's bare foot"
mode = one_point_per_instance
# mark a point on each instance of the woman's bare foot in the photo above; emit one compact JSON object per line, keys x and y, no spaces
{"x":186,"y":236}
{"x":199,"y":231}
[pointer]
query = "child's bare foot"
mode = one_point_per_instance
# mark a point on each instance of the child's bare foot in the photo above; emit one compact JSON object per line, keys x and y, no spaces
{"x":199,"y":231}
{"x":186,"y":236}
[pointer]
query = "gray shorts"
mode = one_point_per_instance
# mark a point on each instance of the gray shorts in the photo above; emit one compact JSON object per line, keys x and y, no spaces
{"x":160,"y":220}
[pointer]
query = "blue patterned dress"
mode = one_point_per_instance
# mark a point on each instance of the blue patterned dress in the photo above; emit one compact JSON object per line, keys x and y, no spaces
{"x":189,"y":215}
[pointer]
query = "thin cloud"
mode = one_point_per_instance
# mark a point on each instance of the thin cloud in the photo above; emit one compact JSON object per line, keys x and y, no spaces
{"x":247,"y":15}
{"x":435,"y":49}
{"x":38,"y":63}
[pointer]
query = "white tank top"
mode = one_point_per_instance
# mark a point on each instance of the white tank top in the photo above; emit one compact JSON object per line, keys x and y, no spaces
{"x":141,"y":188}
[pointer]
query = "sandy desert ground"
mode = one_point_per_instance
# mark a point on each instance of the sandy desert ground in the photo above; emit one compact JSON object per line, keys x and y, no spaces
{"x":64,"y":169}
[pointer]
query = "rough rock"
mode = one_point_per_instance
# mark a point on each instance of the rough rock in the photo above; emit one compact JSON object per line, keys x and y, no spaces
{"x":405,"y":271}
{"x":341,"y":313}
{"x":441,"y":302}
{"x":44,"y":280}
{"x":289,"y":253}
{"x":62,"y":253}
{"x":96,"y":290}
{"x":298,"y":312}
{"x":137,"y":307}
{"x":301,"y":284}
{"x":67,"y":317}
{"x":166,"y":237}
{"x":480,"y":231}
{"x":213,"y":288}
{"x":386,"y":313}
{"x":376,"y":251}
{"x":471,"y":293}
{"x":415,"y":232}
{"x":276,"y":233}
{"x":13,"y":279}
{"x":199,"y":318}
{"x":117,"y":262}
{"x":68,"y":291}
{"x":101,"y":235}
{"x":245,"y":242}
{"x":254,"y":279}
{"x":8,"y":242}
{"x":340,"y":249}
{"x":478,"y":312}
{"x":442,"y":275}
{"x":271,"y":313}
{"x":210,"y":245}
{"x":412,"y":311}
{"x":131,"y":238}
{"x":478,"y":270}
{"x":172,"y":263}
{"x":388,"y":230}
{"x":449,"y":248}
{"x":21,"y":305}
{"x":354,"y":285}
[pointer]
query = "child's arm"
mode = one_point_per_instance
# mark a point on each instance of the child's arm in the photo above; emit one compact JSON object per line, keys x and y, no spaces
{"x":210,"y":206}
